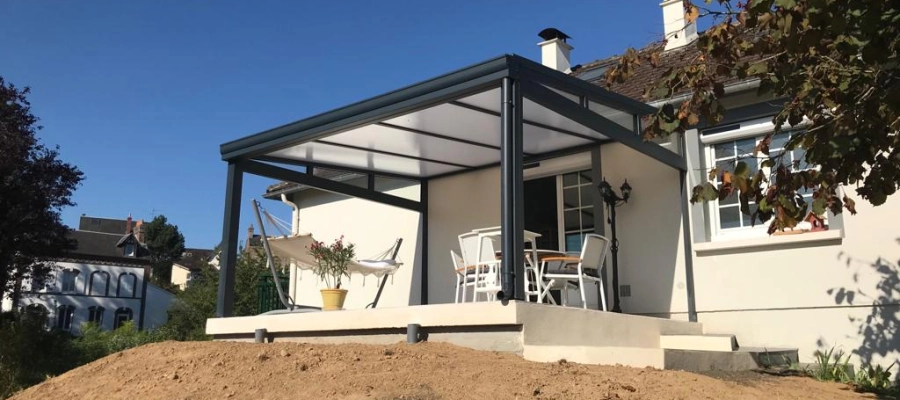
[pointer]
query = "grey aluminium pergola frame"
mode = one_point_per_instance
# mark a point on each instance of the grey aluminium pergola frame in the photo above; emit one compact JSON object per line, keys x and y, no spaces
{"x":519,"y":81}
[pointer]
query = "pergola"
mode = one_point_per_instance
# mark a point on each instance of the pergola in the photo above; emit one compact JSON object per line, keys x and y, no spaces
{"x":507,"y":111}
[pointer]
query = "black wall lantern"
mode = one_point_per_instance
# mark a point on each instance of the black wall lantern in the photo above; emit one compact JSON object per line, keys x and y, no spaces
{"x":612,"y":201}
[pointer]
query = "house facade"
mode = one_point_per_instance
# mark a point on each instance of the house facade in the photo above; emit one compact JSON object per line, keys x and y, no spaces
{"x":809,"y":289}
{"x":105,"y":280}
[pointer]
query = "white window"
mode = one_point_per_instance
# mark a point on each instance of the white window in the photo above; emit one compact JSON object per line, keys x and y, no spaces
{"x":126,"y":285}
{"x":130,"y":250}
{"x":95,"y":315}
{"x":64,"y":316}
{"x":69,"y":278}
{"x":98,"y":284}
{"x":122,"y":316}
{"x":729,"y":145}
{"x":576,"y":205}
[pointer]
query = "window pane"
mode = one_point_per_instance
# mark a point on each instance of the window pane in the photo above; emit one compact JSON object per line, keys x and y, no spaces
{"x":724,"y":150}
{"x":570,"y":179}
{"x":779,"y":140}
{"x":730,"y":199}
{"x":747,"y":218}
{"x":585,"y":176}
{"x":729,"y":217}
{"x":745,"y":146}
{"x":587,"y":218}
{"x":571,"y":220}
{"x":573,"y":242}
{"x":753,"y":163}
{"x":724,"y":165}
{"x":570,"y":197}
{"x":587,"y":197}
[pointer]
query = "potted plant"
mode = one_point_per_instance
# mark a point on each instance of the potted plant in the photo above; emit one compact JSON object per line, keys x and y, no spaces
{"x":331,"y":266}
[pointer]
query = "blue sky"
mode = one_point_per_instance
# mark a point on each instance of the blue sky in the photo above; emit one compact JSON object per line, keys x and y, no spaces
{"x":140,"y":94}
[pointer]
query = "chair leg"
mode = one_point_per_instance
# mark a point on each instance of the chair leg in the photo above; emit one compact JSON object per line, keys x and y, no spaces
{"x":581,"y":289}
{"x":456,"y":297}
{"x":602,"y":295}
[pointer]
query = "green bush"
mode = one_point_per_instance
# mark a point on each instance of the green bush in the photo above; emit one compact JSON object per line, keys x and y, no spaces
{"x":30,"y":353}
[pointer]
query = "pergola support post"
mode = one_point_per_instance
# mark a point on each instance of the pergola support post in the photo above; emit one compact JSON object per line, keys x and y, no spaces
{"x":228,"y":252}
{"x":512,"y":210}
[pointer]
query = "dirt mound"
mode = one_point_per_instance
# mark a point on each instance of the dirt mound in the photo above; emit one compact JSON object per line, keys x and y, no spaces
{"x":217,"y":370}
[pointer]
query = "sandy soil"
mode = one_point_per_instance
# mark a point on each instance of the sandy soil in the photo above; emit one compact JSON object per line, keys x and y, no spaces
{"x":217,"y":370}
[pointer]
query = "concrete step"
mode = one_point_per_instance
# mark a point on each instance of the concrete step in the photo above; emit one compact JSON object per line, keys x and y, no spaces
{"x":698,"y":342}
{"x":741,"y":360}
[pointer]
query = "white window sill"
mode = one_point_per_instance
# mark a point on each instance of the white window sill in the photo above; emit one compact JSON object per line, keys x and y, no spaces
{"x":768,"y":241}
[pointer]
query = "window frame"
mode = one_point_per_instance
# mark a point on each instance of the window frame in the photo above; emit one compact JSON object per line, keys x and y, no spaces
{"x":65,"y":317}
{"x":561,"y":208}
{"x":62,"y":283}
{"x":96,"y":314}
{"x":756,"y":129}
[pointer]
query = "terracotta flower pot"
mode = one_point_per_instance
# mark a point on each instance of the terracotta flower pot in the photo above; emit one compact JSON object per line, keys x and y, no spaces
{"x":333,"y":299}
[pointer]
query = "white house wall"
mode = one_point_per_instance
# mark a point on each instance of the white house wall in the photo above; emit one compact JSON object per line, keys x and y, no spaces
{"x":373,"y":228}
{"x":779,"y":294}
{"x":156,"y":306}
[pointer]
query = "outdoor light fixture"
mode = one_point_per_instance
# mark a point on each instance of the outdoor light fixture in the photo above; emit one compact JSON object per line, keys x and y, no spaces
{"x":612,"y":201}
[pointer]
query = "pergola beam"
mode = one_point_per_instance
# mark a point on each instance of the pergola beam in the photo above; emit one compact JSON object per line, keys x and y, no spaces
{"x":573,"y":111}
{"x":284,"y":174}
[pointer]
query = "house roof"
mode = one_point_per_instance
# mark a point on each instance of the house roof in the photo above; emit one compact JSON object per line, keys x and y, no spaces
{"x":646,"y":74}
{"x":103,"y":225}
{"x":195,"y":258}
{"x":99,"y":244}
{"x":276,"y":190}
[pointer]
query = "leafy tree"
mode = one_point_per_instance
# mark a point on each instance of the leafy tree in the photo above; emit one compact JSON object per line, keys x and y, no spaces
{"x":34,"y":186}
{"x":188,"y":314}
{"x":165,"y":244}
{"x":832,"y":63}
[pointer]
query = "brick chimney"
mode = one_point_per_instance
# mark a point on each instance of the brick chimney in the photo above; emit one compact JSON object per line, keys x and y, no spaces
{"x":139,"y":230}
{"x":128,"y":225}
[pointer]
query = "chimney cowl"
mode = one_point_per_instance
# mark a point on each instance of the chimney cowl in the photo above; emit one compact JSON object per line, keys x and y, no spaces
{"x":553,"y":33}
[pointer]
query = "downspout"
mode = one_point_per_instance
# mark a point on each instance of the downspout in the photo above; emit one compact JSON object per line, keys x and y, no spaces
{"x":295,"y":227}
{"x":295,"y":214}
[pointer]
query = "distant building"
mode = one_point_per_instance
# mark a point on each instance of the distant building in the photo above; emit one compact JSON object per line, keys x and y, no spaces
{"x":189,"y":266}
{"x":104,"y":280}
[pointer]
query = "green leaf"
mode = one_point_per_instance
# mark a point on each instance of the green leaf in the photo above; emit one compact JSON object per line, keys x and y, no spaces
{"x":818,"y":206}
{"x":785,"y":3}
{"x":757,"y":69}
{"x":742,"y":170}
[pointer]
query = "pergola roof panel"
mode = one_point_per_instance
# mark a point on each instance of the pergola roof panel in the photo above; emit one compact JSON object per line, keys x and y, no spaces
{"x":340,"y":156}
{"x":453,"y":121}
{"x":385,"y":138}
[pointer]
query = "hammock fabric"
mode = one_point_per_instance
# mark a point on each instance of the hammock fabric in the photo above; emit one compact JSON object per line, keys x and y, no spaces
{"x":295,"y":248}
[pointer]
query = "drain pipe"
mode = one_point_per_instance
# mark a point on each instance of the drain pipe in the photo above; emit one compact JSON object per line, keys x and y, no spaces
{"x":295,"y":227}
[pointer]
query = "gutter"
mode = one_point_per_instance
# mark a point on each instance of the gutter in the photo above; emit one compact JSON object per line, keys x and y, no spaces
{"x":730,"y":89}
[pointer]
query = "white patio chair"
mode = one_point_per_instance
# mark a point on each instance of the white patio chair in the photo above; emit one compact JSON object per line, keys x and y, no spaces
{"x":465,"y":276}
{"x":572,"y":269}
{"x":478,"y":253}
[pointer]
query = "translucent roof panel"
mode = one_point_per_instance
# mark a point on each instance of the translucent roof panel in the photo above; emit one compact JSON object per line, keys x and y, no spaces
{"x":339,"y":156}
{"x":438,"y":148}
{"x":626,"y":120}
{"x":451,"y":120}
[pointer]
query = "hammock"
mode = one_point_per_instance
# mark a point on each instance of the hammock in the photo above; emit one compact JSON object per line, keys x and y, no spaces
{"x":295,"y":248}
